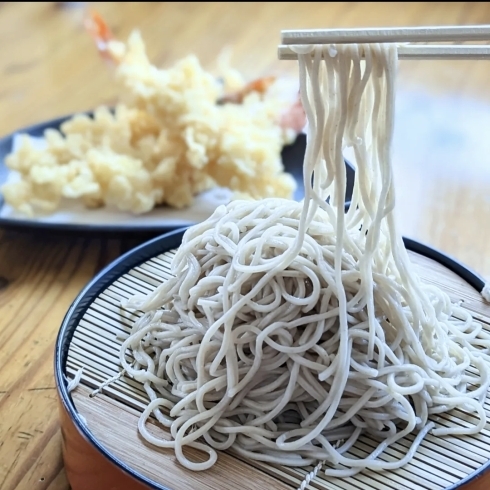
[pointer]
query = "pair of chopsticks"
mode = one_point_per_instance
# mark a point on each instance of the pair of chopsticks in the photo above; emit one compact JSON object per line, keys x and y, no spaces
{"x":398,"y":35}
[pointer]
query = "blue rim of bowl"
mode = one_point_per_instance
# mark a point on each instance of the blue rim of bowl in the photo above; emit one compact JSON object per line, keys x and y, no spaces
{"x":290,"y":154}
{"x":149,"y":250}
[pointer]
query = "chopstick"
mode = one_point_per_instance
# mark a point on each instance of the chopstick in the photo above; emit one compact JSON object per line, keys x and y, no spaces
{"x":398,"y":35}
{"x":387,"y":35}
{"x":417,"y":52}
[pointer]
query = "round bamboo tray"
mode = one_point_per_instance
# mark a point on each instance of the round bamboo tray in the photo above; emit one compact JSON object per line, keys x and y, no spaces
{"x":102,"y":449}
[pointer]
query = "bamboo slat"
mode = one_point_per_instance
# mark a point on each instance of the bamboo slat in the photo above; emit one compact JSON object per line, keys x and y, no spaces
{"x":112,"y":415}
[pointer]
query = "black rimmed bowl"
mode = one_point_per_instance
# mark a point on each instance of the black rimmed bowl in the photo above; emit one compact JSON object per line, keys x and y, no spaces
{"x":101,"y":446}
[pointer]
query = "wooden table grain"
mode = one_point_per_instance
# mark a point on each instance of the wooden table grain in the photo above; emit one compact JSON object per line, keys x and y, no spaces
{"x":49,"y":67}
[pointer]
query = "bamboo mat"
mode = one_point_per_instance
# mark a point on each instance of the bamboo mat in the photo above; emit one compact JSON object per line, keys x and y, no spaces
{"x":111,"y":416}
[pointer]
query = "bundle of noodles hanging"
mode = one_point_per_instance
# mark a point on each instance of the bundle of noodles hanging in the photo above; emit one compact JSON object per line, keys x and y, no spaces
{"x":292,"y":329}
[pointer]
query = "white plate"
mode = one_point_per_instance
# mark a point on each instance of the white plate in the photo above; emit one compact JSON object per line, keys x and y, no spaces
{"x":74,"y":216}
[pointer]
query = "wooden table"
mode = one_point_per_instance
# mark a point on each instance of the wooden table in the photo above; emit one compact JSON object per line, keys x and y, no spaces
{"x":49,"y":67}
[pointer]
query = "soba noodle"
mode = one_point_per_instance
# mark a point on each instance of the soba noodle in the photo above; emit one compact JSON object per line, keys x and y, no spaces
{"x":291,"y":329}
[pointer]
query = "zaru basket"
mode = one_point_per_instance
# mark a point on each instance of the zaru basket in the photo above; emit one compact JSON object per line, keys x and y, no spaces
{"x":102,"y":449}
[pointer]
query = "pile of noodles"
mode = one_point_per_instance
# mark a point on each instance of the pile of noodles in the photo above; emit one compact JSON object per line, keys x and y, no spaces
{"x":292,"y":329}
